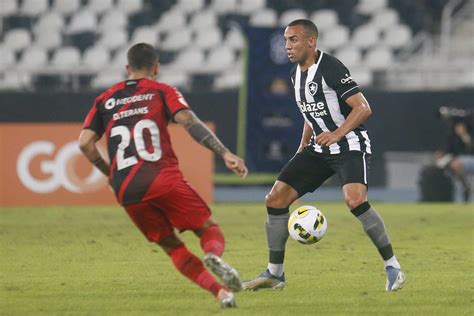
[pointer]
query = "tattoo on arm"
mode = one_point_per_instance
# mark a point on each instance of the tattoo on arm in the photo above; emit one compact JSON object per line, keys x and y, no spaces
{"x":102,"y":165}
{"x":201,"y":133}
{"x":98,"y":161}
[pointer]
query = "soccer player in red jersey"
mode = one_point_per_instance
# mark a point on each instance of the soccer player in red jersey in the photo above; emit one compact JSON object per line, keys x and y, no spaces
{"x":143,"y":172}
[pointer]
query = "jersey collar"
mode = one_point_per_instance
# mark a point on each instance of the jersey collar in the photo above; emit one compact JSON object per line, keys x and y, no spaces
{"x":316,"y":63}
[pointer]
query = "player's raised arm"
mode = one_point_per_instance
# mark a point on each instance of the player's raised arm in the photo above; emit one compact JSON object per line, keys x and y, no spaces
{"x":87,"y":144}
{"x":203,"y":135}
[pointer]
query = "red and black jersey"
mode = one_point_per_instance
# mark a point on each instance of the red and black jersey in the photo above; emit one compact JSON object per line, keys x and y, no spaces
{"x":134,"y":116}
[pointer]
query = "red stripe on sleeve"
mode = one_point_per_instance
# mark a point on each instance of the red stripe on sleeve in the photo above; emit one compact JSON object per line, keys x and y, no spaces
{"x":90,"y":116}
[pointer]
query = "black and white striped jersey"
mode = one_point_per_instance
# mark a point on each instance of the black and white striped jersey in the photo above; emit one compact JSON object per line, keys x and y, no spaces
{"x":320,"y":94}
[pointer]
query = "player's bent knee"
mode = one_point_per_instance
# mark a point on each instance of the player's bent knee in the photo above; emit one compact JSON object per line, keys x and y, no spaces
{"x":208,"y":223}
{"x":353,"y":201}
{"x":281,"y":195}
{"x":268,"y":199}
{"x":169,"y":243}
{"x":354,"y":194}
{"x":274,"y":199}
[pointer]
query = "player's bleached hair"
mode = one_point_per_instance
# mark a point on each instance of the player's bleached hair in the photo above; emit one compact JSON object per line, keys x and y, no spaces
{"x":310,"y":28}
{"x":142,"y":56}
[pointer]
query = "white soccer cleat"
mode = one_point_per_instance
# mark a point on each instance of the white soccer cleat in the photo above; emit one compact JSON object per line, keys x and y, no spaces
{"x":228,"y":275}
{"x":395,"y":279}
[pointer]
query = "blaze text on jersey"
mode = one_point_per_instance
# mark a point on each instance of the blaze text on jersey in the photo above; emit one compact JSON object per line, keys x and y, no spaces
{"x":313,"y":108}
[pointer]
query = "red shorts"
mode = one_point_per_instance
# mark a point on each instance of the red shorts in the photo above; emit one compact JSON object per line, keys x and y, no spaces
{"x":181,"y":208}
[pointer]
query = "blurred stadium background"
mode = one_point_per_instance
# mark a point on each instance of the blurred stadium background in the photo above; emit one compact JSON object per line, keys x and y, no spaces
{"x":410,"y":57}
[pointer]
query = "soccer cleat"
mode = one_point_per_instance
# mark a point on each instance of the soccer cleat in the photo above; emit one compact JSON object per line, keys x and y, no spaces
{"x":266,"y":280}
{"x":395,"y":279}
{"x":228,"y":275}
{"x":226,"y":299}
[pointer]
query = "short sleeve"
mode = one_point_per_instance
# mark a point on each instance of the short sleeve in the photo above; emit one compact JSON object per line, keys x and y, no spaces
{"x":93,"y":119}
{"x":339,"y":78}
{"x":174,"y":101}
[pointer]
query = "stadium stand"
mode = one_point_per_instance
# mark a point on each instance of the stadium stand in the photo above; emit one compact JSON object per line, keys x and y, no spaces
{"x":199,"y":38}
{"x":33,"y":8}
{"x":95,"y":57}
{"x":83,"y":21}
{"x":33,"y":59}
{"x":17,"y":39}
{"x":8,"y":58}
{"x":264,"y":18}
{"x":248,"y":6}
{"x":189,"y":6}
{"x":290,"y":15}
{"x":326,"y":19}
{"x":66,"y":58}
{"x":65,"y":7}
{"x":145,"y":34}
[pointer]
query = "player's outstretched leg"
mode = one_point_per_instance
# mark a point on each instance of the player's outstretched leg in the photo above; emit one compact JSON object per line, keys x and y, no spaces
{"x":374,"y":227}
{"x":228,"y":275}
{"x":213,"y":243}
{"x":192,"y":267}
{"x":276,"y":228}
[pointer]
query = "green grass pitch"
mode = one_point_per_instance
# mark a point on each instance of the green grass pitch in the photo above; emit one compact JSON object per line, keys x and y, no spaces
{"x":93,"y":261}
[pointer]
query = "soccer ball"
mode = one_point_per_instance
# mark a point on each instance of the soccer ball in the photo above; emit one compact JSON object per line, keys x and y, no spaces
{"x":307,"y":225}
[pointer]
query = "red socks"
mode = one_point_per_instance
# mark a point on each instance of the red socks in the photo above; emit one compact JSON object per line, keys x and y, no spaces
{"x":212,"y":240}
{"x":190,"y":266}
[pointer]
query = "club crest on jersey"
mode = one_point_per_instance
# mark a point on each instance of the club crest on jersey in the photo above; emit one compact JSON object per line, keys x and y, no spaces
{"x":312,"y":87}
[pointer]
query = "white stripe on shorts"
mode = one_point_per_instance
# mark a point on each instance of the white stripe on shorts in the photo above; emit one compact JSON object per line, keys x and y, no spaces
{"x":365,"y":168}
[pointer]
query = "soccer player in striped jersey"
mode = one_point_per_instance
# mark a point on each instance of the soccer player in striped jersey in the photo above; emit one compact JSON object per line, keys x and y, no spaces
{"x":133,"y":116}
{"x":334,"y":141}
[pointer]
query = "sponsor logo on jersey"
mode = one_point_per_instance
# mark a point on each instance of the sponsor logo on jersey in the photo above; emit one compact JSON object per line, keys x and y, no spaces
{"x":347,"y":79}
{"x":312,"y":87}
{"x":313,"y":108}
{"x":112,"y":102}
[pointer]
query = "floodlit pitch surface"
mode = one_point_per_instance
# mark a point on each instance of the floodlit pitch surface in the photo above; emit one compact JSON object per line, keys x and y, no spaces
{"x":77,"y":261}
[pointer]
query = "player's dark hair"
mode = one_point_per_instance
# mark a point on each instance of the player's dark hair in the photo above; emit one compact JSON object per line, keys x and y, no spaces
{"x":310,"y":28}
{"x":142,"y":56}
